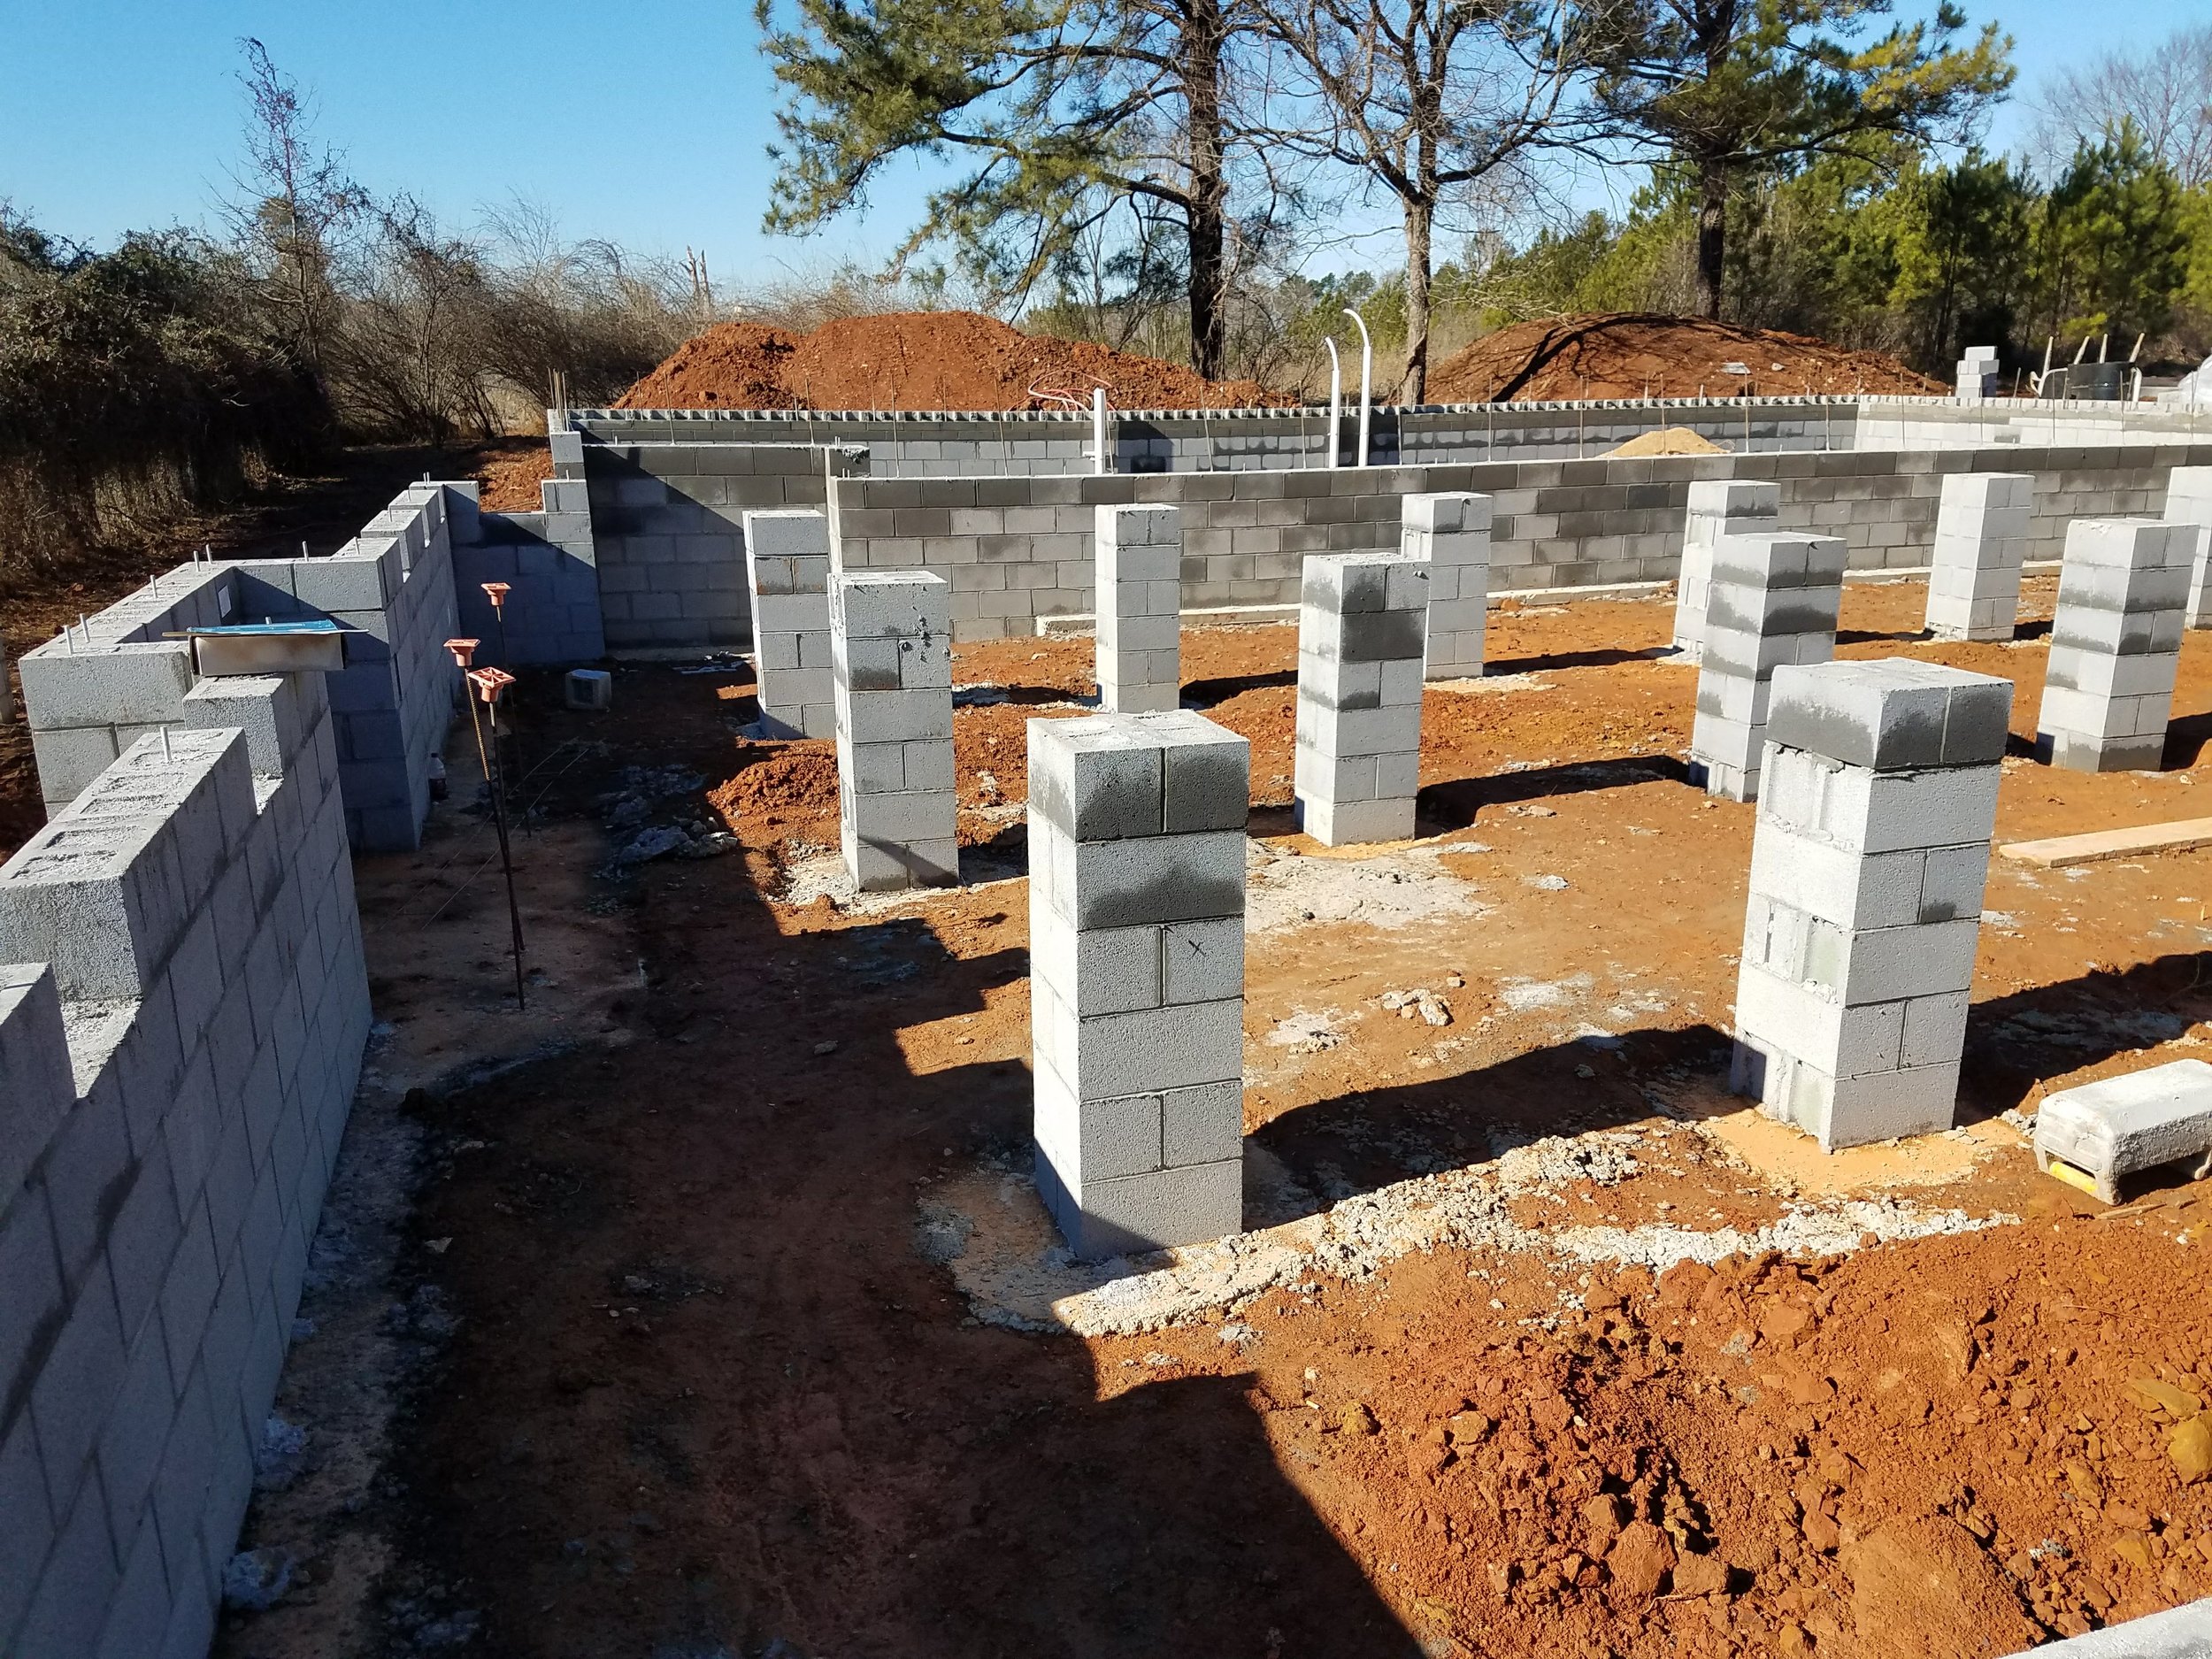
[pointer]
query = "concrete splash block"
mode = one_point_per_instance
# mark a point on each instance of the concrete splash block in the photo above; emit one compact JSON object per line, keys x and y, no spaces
{"x":2124,"y":1125}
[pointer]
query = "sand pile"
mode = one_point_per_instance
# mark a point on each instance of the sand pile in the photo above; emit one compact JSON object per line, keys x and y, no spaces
{"x":1633,"y":355}
{"x":919,"y":360}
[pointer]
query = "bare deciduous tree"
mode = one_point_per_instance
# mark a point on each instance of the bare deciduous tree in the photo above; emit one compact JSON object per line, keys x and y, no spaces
{"x":1433,"y":103}
{"x":2166,"y":91}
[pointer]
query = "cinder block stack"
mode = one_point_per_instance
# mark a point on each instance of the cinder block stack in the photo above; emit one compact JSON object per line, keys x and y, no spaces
{"x":787,"y":565}
{"x":2189,"y":502}
{"x":1978,"y":374}
{"x":1718,"y":507}
{"x":1878,"y":799}
{"x":891,"y":637}
{"x":1140,"y":557}
{"x":1362,"y":633}
{"x":1136,"y":917}
{"x":1773,"y":603}
{"x":1981,"y":538}
{"x":2114,"y":644}
{"x":1451,"y":531}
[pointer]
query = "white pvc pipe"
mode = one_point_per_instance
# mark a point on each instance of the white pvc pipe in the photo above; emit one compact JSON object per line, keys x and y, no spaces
{"x":1366,"y":382}
{"x":1098,"y":430}
{"x":1336,"y":401}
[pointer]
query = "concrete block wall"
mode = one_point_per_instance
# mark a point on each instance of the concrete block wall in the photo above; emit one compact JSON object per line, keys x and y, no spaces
{"x":1450,"y":533}
{"x":1016,"y":549}
{"x":1773,"y":603}
{"x":2115,"y":644}
{"x":181,"y":1025}
{"x":891,"y":640}
{"x":1716,"y":507}
{"x":1140,"y":627}
{"x":550,"y":560}
{"x":667,"y":520}
{"x":2189,"y":501}
{"x":1877,"y":800}
{"x":1136,"y":917}
{"x":1981,"y":540}
{"x":1363,"y":628}
{"x":990,"y":443}
{"x":788,"y":570}
{"x":89,"y":695}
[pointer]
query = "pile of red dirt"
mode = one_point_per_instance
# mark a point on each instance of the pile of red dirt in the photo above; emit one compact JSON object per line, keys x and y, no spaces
{"x":1635,"y":355}
{"x":509,"y":472}
{"x":920,"y":360}
{"x":778,"y":788}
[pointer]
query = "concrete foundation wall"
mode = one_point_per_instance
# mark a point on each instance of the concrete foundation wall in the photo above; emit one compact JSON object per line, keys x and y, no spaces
{"x":667,"y":520}
{"x":549,"y":559}
{"x":1019,"y":548}
{"x":89,"y":696}
{"x":182,"y":1025}
{"x":1017,"y":443}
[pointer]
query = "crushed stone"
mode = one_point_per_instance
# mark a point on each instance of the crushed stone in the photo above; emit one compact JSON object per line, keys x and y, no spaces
{"x":1009,"y":1264}
{"x":1389,"y":891}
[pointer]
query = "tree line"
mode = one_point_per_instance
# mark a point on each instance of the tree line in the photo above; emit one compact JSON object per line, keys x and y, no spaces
{"x":177,"y":367}
{"x":1158,"y":172}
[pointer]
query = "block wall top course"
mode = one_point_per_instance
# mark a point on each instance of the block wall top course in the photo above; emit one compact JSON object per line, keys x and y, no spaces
{"x":1110,"y":777}
{"x":1891,"y":715}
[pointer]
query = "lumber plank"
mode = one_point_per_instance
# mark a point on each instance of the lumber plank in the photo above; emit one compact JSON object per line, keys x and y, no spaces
{"x":2180,"y":835}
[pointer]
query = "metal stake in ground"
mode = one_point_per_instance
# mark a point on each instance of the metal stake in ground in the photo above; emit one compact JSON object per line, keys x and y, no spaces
{"x":498,"y":592}
{"x":489,"y":682}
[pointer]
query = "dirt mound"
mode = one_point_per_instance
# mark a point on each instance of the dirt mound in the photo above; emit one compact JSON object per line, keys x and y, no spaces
{"x":1668,"y":441}
{"x":920,"y":360}
{"x":1634,"y":355}
{"x":783,"y":785}
{"x":509,"y":473}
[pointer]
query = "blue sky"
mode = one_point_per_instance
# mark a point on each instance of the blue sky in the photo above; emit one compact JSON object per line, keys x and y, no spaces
{"x":643,"y":122}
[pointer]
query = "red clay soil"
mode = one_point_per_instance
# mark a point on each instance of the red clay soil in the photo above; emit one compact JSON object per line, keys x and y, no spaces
{"x":1633,"y":355}
{"x":709,"y":1392}
{"x":952,"y":360}
{"x":509,"y":472}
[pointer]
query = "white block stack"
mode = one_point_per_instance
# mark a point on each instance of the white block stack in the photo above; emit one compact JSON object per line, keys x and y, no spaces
{"x":1362,"y":633}
{"x":787,"y":564}
{"x":1136,"y":940}
{"x":1451,"y":531}
{"x":1773,"y":603}
{"x":1981,"y":538}
{"x":2189,"y":502}
{"x":2116,"y":643}
{"x":1977,"y":374}
{"x":1139,"y":555}
{"x":1718,"y":507}
{"x":891,"y":632}
{"x":1867,"y":871}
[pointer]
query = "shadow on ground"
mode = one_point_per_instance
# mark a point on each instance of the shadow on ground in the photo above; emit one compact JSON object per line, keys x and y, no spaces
{"x":708,"y":1392}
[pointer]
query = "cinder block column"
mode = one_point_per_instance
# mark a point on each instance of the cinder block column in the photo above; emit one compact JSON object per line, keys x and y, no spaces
{"x":1136,"y":943}
{"x":787,"y":565}
{"x":1981,"y":538}
{"x":1773,"y":605}
{"x":1451,"y":532}
{"x":2189,"y":502}
{"x":891,"y":632}
{"x":1718,"y":507}
{"x":1140,"y":567}
{"x":1879,"y":796}
{"x":2114,"y":644}
{"x":1362,"y":631}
